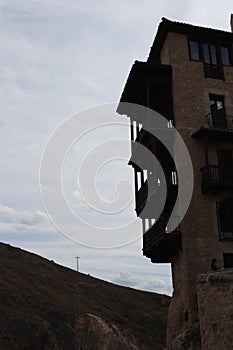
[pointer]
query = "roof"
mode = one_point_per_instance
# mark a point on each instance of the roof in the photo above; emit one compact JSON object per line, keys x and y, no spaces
{"x":140,"y":73}
{"x":167,"y":26}
{"x":213,"y":134}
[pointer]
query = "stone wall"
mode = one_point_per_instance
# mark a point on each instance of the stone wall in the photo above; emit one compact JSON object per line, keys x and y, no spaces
{"x":215,"y":309}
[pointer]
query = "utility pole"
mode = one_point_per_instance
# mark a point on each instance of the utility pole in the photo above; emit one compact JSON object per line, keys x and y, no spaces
{"x":77,"y":258}
{"x":78,"y":343}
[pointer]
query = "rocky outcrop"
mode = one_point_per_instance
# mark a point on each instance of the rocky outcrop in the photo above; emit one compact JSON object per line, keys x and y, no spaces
{"x":188,"y":340}
{"x":93,"y":332}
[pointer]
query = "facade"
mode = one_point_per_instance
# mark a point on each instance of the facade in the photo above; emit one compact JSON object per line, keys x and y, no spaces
{"x":188,"y":78}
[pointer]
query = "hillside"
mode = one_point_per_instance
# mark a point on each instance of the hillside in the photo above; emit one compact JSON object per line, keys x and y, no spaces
{"x":47,"y":306}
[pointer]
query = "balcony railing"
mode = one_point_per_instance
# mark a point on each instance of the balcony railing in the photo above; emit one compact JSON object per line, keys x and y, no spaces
{"x":216,"y":176}
{"x":213,"y":71}
{"x":154,"y":195}
{"x":160,"y":244}
{"x":159,"y":229}
{"x":141,"y":195}
{"x":220,"y":121}
{"x":227,"y":236}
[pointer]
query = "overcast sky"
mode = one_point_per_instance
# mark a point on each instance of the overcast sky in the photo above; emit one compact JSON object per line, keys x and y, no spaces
{"x":58,"y":58}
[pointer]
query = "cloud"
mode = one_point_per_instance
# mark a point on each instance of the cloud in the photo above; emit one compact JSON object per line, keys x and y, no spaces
{"x":127,"y":278}
{"x":153,"y":285}
{"x":23,"y":220}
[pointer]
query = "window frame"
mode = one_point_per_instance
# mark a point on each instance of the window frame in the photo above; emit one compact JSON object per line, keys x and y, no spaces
{"x":190,"y":51}
{"x":228,"y":47}
{"x":214,"y":68}
{"x":210,"y":45}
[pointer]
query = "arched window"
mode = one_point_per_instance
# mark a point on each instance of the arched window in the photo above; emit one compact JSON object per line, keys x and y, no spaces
{"x":225,"y":218}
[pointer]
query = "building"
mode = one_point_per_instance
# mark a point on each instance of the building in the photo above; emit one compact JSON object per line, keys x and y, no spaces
{"x":188,"y":78}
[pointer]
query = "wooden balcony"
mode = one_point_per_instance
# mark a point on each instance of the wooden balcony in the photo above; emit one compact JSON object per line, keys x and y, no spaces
{"x":216,"y":177}
{"x":154,"y":199}
{"x":213,"y":71}
{"x":220,"y":122}
{"x":216,"y":128}
{"x":146,"y":141}
{"x":161,"y":243}
{"x":226,"y":236}
{"x":141,"y":197}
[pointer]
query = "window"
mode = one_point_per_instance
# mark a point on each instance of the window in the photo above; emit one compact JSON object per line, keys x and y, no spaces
{"x":217,"y":109}
{"x":225,"y":56}
{"x":147,"y":225}
{"x":228,"y":260}
{"x":206,"y":53}
{"x":225,"y":219}
{"x":145,"y":175}
{"x":210,"y":54}
{"x":212,"y":64}
{"x":194,"y":50}
{"x":174,"y":178}
{"x":214,"y":57}
{"x":139,"y":180}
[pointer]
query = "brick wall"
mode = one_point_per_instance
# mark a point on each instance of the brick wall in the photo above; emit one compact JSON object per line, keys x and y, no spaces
{"x":199,"y":228}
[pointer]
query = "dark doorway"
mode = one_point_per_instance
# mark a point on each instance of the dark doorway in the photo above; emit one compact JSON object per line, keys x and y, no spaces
{"x":225,"y":165}
{"x":228,"y":260}
{"x":225,"y":219}
{"x":218,"y":111}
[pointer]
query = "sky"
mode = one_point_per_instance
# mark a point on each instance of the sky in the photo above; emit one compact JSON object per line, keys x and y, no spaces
{"x":59,"y":59}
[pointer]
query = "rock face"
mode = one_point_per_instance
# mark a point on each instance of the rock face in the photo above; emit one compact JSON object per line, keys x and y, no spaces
{"x":215,"y":308}
{"x":188,"y":340}
{"x":95,"y":333}
{"x":45,"y":306}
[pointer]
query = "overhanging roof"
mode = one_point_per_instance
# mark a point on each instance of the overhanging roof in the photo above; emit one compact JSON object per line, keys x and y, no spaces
{"x":167,"y":26}
{"x":141,"y":74}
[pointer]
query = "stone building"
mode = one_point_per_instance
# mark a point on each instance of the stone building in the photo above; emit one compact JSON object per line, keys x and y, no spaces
{"x":188,"y":78}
